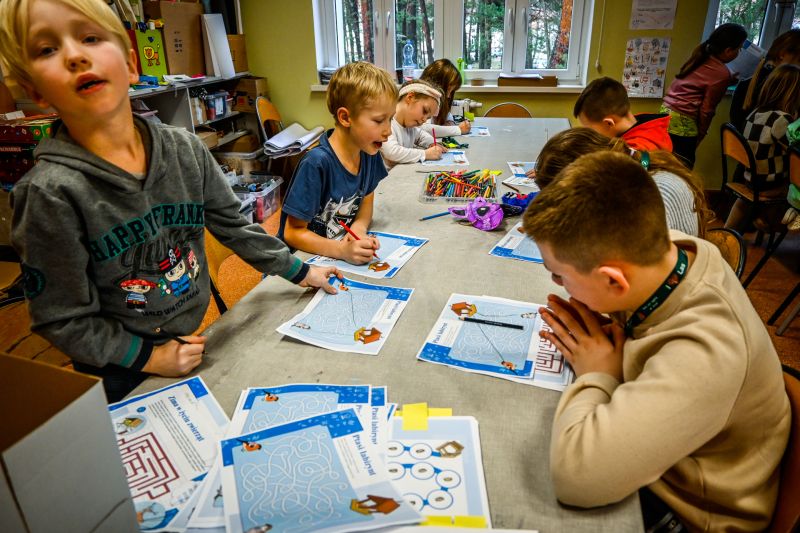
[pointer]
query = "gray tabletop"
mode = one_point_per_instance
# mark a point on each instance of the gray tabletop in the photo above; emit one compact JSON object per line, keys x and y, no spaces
{"x":244,"y":350}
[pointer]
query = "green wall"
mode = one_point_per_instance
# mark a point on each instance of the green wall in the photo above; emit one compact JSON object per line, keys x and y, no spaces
{"x":280,"y":46}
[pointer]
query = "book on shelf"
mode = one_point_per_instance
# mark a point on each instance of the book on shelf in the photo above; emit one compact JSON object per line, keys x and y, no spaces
{"x":292,"y":140}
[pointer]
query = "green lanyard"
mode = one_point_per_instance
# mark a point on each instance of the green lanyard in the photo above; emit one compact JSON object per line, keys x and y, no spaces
{"x":661,"y":294}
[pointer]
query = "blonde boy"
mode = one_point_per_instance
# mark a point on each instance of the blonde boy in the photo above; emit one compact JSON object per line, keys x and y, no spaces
{"x":604,"y":106}
{"x":335,"y":182}
{"x":681,"y":395}
{"x":114,"y":200}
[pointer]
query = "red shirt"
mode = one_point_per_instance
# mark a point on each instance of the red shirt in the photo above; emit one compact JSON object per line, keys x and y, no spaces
{"x":649,"y":133}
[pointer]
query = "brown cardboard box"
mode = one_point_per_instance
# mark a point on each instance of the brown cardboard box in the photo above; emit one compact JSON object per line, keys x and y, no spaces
{"x":238,"y":52}
{"x":247,"y":90}
{"x":209,"y":137}
{"x":246,"y":143}
{"x":183,"y":40}
{"x":60,"y":467}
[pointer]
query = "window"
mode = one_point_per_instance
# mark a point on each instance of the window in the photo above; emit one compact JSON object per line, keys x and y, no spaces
{"x":493,"y":36}
{"x":763,"y":19}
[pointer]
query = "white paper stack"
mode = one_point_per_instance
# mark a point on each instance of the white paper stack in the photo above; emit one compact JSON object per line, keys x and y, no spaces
{"x":292,"y":140}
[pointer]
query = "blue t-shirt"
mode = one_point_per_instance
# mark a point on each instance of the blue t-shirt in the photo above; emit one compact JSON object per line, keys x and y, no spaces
{"x":324,"y":192}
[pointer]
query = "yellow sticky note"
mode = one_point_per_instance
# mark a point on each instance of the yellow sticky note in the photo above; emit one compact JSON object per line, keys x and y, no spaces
{"x":440,"y":521}
{"x":415,"y":417}
{"x":470,"y":521}
{"x":440,"y":411}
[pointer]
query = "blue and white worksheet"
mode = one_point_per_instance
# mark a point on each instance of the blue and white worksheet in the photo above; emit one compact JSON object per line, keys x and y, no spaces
{"x":449,"y":158}
{"x":488,"y":335}
{"x":168,"y":442}
{"x":519,"y":170}
{"x":439,"y":470}
{"x":358,"y":318}
{"x":517,"y":245}
{"x":477,"y":131}
{"x":318,"y":474}
{"x":395,"y":251}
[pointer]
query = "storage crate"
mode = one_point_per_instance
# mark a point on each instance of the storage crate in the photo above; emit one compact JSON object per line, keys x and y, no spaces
{"x":268,"y":198}
{"x":242,"y":162}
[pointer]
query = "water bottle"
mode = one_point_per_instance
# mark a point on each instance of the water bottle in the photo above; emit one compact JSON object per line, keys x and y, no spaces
{"x":408,"y":61}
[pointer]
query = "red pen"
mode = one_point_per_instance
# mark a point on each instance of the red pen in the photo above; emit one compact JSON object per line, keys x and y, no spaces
{"x":353,"y":235}
{"x":434,"y":136}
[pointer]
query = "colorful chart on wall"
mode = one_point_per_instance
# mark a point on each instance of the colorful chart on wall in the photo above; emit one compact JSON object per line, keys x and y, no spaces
{"x":168,"y":442}
{"x":358,"y":318}
{"x":395,"y":251}
{"x":498,"y":337}
{"x":645,"y":66}
{"x":439,"y":470}
{"x":449,"y":158}
{"x":319,"y":474}
{"x":477,"y":131}
{"x":516,"y":245}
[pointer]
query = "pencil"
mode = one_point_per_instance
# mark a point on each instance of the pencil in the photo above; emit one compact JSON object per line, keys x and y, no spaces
{"x":513,"y":188}
{"x":491,"y":322}
{"x":171,"y":336}
{"x":435,"y":216}
{"x":353,"y":235}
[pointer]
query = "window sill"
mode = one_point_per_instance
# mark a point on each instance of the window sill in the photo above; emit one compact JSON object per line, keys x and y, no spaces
{"x":561,"y":89}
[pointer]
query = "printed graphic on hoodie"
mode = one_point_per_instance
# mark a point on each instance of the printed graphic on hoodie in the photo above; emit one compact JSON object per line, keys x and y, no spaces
{"x":326,"y":223}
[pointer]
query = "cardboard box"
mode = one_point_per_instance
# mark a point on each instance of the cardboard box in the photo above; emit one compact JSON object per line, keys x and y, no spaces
{"x":209,"y":137}
{"x":238,"y":52}
{"x":61,"y":468}
{"x":247,"y":90}
{"x":183,"y":39}
{"x":246,"y":143}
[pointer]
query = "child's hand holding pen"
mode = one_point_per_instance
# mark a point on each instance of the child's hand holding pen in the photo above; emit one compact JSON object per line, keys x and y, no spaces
{"x":465,"y":126}
{"x":359,"y":249}
{"x":434,"y":152}
{"x":176,"y":357}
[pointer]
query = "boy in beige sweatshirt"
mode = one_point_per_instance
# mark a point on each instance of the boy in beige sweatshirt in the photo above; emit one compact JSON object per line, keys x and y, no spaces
{"x":681,"y":393}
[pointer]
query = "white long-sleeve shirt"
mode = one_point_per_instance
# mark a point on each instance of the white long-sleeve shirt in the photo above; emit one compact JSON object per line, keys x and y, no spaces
{"x":442,"y":131}
{"x":405,"y":145}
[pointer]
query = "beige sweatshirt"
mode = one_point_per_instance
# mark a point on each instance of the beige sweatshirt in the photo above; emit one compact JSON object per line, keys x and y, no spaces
{"x":702,"y":417}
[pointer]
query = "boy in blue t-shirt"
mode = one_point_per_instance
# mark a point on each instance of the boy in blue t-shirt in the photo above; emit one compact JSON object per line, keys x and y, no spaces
{"x":335,"y":181}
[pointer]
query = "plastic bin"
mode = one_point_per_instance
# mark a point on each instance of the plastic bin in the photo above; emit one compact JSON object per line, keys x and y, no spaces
{"x":268,"y":198}
{"x":426,"y":197}
{"x":216,"y":105}
{"x":242,"y":162}
{"x":248,"y":208}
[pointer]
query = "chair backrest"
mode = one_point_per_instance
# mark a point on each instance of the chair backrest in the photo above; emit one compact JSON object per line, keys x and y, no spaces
{"x":216,"y":253}
{"x":508,"y":110}
{"x":735,"y":146}
{"x":787,"y":511}
{"x":794,"y":166}
{"x":268,"y":117}
{"x":731,"y":246}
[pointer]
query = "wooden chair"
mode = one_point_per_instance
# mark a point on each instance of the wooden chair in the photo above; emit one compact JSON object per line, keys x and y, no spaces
{"x":781,"y":308}
{"x":10,"y":277}
{"x":508,"y":110}
{"x":269,"y":119}
{"x":216,"y":253}
{"x":786,"y":517}
{"x":731,"y":246}
{"x":773,"y":225}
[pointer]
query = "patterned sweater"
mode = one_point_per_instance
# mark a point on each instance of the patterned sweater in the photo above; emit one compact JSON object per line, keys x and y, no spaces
{"x":766,"y":134}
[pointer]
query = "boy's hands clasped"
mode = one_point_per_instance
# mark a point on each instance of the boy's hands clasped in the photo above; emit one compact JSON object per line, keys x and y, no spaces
{"x":588,"y":341}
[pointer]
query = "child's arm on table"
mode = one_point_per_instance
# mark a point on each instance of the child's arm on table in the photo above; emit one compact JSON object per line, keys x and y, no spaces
{"x":297,"y":235}
{"x":360,"y":225}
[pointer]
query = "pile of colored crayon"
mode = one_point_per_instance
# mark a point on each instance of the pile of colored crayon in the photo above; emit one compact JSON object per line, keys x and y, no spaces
{"x":460,"y":184}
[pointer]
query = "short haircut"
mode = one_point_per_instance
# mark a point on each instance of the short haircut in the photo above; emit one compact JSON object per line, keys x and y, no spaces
{"x":603,"y":207}
{"x":601,"y":98}
{"x":358,"y":85}
{"x":14,"y":27}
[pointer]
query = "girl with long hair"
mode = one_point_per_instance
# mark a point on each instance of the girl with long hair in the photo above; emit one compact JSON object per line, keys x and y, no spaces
{"x":443,"y":73}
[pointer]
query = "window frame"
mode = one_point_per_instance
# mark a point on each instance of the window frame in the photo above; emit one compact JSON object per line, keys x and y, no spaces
{"x":448,"y":18}
{"x":773,"y":24}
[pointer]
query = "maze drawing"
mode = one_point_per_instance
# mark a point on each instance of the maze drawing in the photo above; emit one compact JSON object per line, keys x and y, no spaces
{"x":289,"y":407}
{"x":148,"y":469}
{"x":296,"y":483}
{"x":339,"y":316}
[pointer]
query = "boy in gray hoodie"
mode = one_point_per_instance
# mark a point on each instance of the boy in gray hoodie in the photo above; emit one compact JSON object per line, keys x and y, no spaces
{"x":109,"y":223}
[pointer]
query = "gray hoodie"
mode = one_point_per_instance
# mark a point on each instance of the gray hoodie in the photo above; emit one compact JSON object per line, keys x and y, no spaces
{"x":108,"y":258}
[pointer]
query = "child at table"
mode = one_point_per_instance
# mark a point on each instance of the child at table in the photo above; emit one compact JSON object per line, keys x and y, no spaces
{"x":109,"y":223}
{"x":765,"y":130}
{"x":692,"y":98}
{"x":444,"y":74}
{"x":681,"y":190}
{"x":604,"y":106}
{"x":334,"y":184}
{"x":418,"y":101}
{"x":681,"y":396}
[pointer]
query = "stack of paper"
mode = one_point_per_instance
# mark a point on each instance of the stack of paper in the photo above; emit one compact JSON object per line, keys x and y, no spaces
{"x":298,"y":457}
{"x":292,"y":140}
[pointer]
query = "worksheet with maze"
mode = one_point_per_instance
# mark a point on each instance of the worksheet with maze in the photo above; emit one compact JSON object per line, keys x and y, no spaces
{"x":358,"y":318}
{"x":168,"y":440}
{"x":395,"y":251}
{"x":516,"y":245}
{"x":318,"y":474}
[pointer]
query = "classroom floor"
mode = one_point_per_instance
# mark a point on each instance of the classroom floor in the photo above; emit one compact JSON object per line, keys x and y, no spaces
{"x":767,"y":291}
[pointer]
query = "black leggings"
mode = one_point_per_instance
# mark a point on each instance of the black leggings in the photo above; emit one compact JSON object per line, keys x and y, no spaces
{"x":657,"y":515}
{"x":685,"y":148}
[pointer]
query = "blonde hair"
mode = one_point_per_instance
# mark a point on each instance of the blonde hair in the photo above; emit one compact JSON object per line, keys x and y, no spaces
{"x":357,"y":85}
{"x":785,"y":43}
{"x":603,"y":207}
{"x":564,"y":147}
{"x":14,"y":27}
{"x":781,"y":91}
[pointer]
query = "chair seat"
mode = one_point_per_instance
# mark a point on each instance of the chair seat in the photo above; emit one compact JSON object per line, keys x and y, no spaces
{"x":743,"y":190}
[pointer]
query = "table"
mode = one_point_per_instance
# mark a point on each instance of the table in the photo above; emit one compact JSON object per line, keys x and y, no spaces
{"x":244,"y":350}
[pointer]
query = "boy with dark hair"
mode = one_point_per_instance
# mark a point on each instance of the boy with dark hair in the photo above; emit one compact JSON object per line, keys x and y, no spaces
{"x":604,"y":106}
{"x":109,"y":223}
{"x":334,"y":184}
{"x":681,"y":396}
